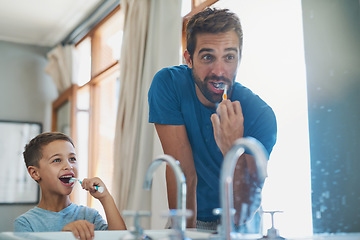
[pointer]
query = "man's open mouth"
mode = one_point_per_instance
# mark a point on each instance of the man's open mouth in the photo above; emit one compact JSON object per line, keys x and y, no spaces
{"x":218,"y":85}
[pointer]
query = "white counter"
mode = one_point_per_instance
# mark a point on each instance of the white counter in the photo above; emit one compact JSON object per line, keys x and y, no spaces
{"x":107,"y":235}
{"x":155,"y":234}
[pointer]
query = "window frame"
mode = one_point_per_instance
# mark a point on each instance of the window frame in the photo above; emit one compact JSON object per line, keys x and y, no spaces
{"x":70,"y":95}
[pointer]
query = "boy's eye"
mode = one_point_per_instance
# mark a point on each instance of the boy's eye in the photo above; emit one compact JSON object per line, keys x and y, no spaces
{"x":72,"y":159}
{"x":57,"y":160}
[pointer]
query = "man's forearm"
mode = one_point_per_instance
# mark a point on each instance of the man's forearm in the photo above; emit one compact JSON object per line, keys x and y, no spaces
{"x":191,"y":202}
{"x":190,"y":195}
{"x":175,"y":143}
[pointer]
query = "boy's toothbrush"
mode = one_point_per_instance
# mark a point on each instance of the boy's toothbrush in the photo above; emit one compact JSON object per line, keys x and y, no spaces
{"x":100,"y":189}
{"x":224,"y":96}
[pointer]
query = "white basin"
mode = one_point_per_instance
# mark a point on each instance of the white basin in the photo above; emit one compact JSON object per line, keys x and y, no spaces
{"x":155,"y":234}
{"x":99,"y":235}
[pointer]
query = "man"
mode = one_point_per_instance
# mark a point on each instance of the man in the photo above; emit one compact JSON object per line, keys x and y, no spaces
{"x":197,"y":127}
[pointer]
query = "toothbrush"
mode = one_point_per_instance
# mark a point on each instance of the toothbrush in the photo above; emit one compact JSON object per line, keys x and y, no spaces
{"x":100,"y":189}
{"x":224,"y":96}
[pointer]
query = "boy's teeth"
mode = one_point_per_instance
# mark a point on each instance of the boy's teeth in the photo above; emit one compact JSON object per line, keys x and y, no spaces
{"x":65,"y":179}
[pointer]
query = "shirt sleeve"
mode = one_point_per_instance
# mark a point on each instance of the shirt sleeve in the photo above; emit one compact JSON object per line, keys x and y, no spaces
{"x":266,"y":130}
{"x":21,"y":224}
{"x":99,"y":222}
{"x":164,"y":101}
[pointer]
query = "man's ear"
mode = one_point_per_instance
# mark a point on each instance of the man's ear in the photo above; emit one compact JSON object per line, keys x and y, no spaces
{"x":188,"y":58}
{"x":34,"y":173}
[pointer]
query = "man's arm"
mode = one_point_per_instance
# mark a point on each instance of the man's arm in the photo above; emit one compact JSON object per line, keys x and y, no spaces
{"x":228,"y":125}
{"x":175,"y":142}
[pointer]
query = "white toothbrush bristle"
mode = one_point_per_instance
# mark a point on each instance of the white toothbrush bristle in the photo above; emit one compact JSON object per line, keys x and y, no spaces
{"x":100,"y":189}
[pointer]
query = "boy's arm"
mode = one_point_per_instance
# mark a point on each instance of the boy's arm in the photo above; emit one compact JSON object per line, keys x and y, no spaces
{"x":113,"y":217}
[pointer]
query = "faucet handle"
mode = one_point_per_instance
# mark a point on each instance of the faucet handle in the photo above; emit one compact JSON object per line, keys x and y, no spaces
{"x":272,"y":233}
{"x":138,"y":232}
{"x":178,"y":222}
{"x":219,"y":212}
{"x":178,"y":217}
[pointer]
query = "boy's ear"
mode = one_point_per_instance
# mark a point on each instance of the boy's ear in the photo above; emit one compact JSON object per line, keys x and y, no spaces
{"x":34,"y":173}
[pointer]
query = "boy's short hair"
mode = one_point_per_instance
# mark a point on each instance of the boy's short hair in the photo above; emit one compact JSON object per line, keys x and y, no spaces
{"x":212,"y":20}
{"x":33,"y":150}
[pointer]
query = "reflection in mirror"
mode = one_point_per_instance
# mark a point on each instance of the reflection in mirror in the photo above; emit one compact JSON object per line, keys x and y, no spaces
{"x":16,"y":185}
{"x":63,"y":112}
{"x":273,"y":67}
{"x":63,"y":118}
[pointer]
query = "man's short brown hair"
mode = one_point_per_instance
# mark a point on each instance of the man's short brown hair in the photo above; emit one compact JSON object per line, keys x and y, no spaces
{"x":212,"y":20}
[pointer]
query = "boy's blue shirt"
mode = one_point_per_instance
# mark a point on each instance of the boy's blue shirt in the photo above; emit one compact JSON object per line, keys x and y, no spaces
{"x":41,"y":220}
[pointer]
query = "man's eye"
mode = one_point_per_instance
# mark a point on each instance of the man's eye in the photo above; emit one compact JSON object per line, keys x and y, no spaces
{"x":230,"y":57}
{"x":207,"y":57}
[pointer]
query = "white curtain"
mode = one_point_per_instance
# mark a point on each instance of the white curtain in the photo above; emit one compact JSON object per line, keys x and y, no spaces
{"x":151,"y":41}
{"x":60,"y":66}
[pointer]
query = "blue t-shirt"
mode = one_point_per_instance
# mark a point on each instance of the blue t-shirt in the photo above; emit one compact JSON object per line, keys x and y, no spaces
{"x":173,"y":101}
{"x":41,"y":220}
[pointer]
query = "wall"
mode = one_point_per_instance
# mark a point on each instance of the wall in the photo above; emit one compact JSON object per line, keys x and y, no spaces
{"x":26,"y":94}
{"x":332,"y":52}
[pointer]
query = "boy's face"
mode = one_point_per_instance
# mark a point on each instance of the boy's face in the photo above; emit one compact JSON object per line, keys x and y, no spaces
{"x":216,"y":59}
{"x":56,"y":167}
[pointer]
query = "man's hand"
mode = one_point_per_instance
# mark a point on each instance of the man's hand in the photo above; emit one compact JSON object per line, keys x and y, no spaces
{"x":81,"y":229}
{"x":246,"y":192}
{"x":228,"y":124}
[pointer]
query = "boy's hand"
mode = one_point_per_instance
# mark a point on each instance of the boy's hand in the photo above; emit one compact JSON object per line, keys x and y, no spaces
{"x":81,"y":229}
{"x":228,"y":124}
{"x":114,"y":219}
{"x":89,"y":185}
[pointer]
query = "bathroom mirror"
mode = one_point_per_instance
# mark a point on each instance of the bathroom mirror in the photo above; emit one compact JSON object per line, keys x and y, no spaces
{"x":63,"y":110}
{"x":63,"y":118}
{"x":16,"y":186}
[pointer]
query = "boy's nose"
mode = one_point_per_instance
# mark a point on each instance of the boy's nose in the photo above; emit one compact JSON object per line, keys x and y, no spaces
{"x":68,"y":165}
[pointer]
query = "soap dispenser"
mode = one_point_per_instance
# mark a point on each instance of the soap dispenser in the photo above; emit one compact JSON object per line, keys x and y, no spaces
{"x":272,"y":233}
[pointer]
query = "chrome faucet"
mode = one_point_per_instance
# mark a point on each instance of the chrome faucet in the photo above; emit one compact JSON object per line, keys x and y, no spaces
{"x":226,"y":178}
{"x":180,"y":182}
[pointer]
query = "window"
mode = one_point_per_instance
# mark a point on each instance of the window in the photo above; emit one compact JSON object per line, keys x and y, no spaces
{"x":96,"y":102}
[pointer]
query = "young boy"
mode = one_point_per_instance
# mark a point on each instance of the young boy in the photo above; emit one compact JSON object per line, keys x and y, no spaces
{"x":50,"y":159}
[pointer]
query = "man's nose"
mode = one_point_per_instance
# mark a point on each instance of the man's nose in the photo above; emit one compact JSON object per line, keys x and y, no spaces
{"x":218,"y":68}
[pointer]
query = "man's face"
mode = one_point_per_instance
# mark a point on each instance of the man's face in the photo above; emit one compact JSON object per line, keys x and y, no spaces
{"x":215,"y":62}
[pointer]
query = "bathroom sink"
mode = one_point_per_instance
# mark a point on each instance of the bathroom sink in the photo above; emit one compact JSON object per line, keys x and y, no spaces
{"x":108,"y":235}
{"x":155,"y":234}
